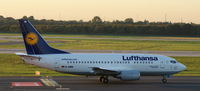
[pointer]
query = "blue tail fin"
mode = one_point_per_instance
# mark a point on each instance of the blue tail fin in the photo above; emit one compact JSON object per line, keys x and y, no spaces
{"x":34,"y":43}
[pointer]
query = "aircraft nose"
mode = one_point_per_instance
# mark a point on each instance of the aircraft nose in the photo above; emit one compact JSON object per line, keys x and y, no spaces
{"x":182,"y":67}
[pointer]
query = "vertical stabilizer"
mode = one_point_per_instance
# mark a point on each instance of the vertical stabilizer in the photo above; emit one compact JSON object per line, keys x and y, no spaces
{"x":33,"y":41}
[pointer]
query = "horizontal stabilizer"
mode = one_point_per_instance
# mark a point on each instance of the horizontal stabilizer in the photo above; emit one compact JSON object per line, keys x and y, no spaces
{"x":27,"y":56}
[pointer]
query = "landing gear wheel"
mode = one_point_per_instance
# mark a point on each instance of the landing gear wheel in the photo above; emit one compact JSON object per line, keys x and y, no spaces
{"x":101,"y":79}
{"x":164,"y":80}
{"x":105,"y":80}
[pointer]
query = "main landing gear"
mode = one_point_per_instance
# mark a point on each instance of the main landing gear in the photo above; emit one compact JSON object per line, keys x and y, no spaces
{"x":104,"y":79}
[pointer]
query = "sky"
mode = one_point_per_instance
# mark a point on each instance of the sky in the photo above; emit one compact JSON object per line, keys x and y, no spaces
{"x":152,"y":10}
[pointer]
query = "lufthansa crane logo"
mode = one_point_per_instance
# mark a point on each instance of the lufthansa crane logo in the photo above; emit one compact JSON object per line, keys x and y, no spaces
{"x":31,"y":38}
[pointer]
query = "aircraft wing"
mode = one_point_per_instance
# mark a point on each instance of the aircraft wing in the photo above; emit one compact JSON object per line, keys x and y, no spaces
{"x":104,"y":71}
{"x":27,"y":56}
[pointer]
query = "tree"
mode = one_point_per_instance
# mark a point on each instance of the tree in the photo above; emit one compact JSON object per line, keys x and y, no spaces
{"x":129,"y":21}
{"x":146,"y":22}
{"x":31,"y":18}
{"x":24,"y":17}
{"x":1,"y":17}
{"x":97,"y":26}
{"x":96,"y":20}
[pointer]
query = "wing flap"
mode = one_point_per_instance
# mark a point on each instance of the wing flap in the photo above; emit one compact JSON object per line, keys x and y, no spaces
{"x":104,"y":71}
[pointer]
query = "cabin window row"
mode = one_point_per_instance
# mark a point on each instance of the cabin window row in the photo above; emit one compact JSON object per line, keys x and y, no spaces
{"x":143,"y":62}
{"x":106,"y":62}
{"x":98,"y":62}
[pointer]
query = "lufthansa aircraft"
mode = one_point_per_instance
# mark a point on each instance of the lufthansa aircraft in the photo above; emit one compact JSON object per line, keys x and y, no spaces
{"x":121,"y":66}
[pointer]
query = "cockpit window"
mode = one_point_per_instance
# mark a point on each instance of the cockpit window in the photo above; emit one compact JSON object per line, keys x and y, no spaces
{"x":173,"y":61}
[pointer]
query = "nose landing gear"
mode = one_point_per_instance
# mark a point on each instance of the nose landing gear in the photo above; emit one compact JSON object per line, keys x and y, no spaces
{"x":164,"y":80}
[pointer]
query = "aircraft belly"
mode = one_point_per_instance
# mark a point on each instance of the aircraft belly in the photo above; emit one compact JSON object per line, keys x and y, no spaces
{"x":157,"y":73}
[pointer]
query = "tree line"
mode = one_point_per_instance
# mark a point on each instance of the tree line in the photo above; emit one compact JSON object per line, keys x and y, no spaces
{"x":98,"y":26}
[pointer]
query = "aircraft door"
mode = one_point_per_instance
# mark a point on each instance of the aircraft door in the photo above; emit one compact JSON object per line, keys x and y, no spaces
{"x":167,"y":65}
{"x":57,"y":65}
{"x":162,"y":65}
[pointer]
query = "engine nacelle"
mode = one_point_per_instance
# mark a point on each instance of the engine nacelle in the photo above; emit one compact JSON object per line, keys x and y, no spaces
{"x":129,"y":75}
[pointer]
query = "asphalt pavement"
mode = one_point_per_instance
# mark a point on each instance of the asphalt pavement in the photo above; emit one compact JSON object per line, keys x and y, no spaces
{"x":81,"y":83}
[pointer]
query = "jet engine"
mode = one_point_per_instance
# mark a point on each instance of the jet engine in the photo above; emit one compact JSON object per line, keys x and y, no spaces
{"x":129,"y":75}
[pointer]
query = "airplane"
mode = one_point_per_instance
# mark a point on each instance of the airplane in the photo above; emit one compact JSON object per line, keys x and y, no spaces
{"x":126,"y":67}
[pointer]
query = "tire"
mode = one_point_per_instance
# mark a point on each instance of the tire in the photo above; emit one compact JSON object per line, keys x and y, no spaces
{"x":101,"y":79}
{"x":105,"y":80}
{"x":164,"y":80}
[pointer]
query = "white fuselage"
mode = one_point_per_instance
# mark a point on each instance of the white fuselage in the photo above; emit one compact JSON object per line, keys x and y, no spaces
{"x":146,"y":64}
